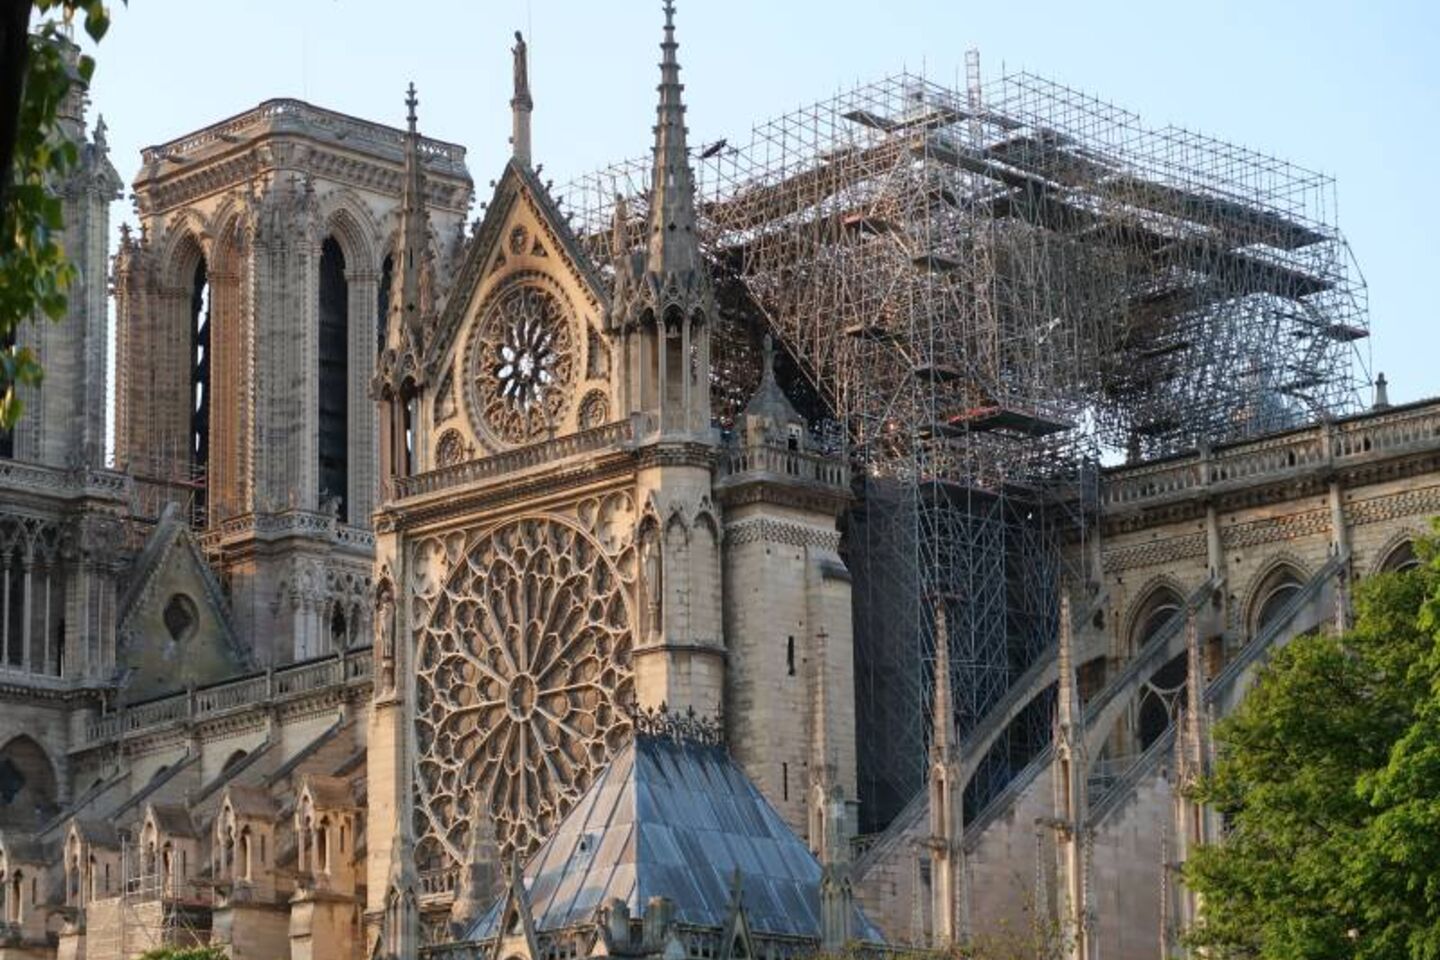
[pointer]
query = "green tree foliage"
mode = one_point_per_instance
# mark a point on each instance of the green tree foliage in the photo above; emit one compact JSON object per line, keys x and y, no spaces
{"x":185,"y":953}
{"x":34,"y":273}
{"x":1328,"y":778}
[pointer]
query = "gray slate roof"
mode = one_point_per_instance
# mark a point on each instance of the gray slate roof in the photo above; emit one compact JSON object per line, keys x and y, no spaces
{"x":674,"y":819}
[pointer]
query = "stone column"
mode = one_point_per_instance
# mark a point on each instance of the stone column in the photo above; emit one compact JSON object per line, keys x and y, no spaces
{"x":362,"y":322}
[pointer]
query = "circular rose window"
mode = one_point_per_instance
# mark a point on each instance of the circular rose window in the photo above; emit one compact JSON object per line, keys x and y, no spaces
{"x":523,"y":676}
{"x":522,"y":363}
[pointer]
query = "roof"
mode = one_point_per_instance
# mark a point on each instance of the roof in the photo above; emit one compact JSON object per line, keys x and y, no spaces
{"x":248,"y":801}
{"x":173,"y":820}
{"x":329,"y":793}
{"x":676,"y":819}
{"x":769,"y":401}
{"x":22,"y":849}
{"x":100,"y":833}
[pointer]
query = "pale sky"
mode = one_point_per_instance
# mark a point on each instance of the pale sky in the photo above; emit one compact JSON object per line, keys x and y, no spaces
{"x":1349,"y":89}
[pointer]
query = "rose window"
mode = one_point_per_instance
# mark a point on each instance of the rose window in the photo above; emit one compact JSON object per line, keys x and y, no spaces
{"x":524,"y":674}
{"x":523,"y":364}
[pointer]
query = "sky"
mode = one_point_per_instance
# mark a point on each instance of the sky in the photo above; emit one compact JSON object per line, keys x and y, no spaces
{"x":1348,"y":89}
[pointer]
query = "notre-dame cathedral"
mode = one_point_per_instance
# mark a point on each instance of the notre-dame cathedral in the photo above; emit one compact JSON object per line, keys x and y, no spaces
{"x":495,"y":589}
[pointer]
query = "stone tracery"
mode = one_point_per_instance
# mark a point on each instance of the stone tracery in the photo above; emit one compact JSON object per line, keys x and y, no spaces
{"x":523,"y":672}
{"x":522,"y":362}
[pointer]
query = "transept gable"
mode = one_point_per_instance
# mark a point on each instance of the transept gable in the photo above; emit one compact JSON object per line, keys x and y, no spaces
{"x":527,"y":291}
{"x":173,"y":625}
{"x":519,"y":200}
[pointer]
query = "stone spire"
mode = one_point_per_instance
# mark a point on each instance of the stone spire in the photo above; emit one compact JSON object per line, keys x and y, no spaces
{"x":674,"y":250}
{"x":521,"y":105}
{"x":664,"y":293}
{"x":1067,"y":707}
{"x":947,"y":812}
{"x":480,"y":878}
{"x":399,"y":374}
{"x":1194,"y":725}
{"x":1068,"y":773}
{"x":400,"y":923}
{"x":406,"y":302}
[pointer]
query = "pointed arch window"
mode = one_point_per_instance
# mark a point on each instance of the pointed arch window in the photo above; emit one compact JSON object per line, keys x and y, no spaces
{"x":334,"y":379}
{"x":200,"y":379}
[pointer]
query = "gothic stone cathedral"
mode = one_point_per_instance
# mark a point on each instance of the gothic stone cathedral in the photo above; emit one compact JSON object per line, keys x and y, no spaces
{"x":426,"y":610}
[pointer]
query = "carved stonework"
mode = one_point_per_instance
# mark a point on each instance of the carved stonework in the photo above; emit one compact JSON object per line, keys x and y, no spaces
{"x":524,"y":669}
{"x":521,"y":361}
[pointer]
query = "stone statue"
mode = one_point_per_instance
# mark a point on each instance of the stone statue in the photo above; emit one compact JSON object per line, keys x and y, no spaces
{"x":651,"y":575}
{"x":385,"y":636}
{"x":522,"y":71}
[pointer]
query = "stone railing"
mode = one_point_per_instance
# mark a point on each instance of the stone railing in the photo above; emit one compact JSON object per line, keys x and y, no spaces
{"x":67,"y":482}
{"x":1326,"y":445}
{"x":435,"y":884}
{"x":349,"y":668}
{"x":269,"y":526}
{"x":296,"y":116}
{"x":512,"y":461}
{"x":783,"y":462}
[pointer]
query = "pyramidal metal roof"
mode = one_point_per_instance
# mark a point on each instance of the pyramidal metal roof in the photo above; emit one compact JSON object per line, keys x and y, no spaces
{"x":674,"y":818}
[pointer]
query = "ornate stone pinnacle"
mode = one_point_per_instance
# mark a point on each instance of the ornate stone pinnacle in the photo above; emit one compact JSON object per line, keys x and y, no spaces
{"x":411,"y":102}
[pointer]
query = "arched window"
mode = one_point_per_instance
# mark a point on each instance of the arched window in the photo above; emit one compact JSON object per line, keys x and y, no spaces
{"x":28,"y":785}
{"x":1272,"y":597}
{"x":1400,"y":558}
{"x":14,"y":626}
{"x":1153,"y":615}
{"x":200,"y":377}
{"x":1162,"y":694}
{"x":339,"y":630}
{"x":334,"y":379}
{"x":382,"y":314}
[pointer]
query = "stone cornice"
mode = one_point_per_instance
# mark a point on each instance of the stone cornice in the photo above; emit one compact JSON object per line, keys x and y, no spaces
{"x":159,"y":194}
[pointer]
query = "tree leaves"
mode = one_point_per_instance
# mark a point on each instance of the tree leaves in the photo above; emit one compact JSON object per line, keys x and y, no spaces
{"x":1329,"y":780}
{"x":34,"y":272}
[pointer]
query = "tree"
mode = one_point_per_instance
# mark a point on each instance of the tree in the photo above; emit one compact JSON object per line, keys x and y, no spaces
{"x":185,"y":953}
{"x":34,"y":157}
{"x":1328,"y":779}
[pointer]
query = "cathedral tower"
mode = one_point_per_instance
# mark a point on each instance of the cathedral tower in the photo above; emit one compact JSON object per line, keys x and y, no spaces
{"x":249,"y":319}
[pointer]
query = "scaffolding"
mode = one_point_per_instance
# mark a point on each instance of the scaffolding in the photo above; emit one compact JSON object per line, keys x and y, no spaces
{"x":982,"y":293}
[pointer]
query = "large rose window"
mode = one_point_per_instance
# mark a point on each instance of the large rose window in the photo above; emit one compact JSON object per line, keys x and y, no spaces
{"x":522,"y":362}
{"x":524,"y":667}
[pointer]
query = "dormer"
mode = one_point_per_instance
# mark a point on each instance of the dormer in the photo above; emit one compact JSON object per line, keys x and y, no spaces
{"x":92,"y":862}
{"x":169,"y":850}
{"x":243,"y":848}
{"x":325,"y":820}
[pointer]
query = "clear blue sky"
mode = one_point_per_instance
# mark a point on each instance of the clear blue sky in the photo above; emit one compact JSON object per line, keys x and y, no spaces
{"x":1350,"y":89}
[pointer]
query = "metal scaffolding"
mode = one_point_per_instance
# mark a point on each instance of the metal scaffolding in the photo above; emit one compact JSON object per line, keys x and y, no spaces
{"x":982,"y":293}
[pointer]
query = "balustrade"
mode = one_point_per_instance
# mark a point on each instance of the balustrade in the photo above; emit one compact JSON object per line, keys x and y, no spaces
{"x":351,"y":668}
{"x":1323,"y":445}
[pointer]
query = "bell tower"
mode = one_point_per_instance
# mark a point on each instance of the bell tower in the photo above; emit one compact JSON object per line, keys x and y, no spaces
{"x":250,"y":319}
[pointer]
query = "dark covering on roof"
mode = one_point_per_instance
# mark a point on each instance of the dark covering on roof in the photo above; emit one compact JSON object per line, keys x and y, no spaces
{"x":675,"y":819}
{"x":173,"y":820}
{"x":101,"y":833}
